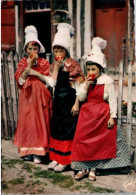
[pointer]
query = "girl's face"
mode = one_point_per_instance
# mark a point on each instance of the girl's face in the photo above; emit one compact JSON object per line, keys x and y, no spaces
{"x":93,"y":69}
{"x":32,"y":49}
{"x":60,"y":52}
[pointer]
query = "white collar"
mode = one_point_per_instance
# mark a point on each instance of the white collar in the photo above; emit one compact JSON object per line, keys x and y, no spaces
{"x":104,"y":79}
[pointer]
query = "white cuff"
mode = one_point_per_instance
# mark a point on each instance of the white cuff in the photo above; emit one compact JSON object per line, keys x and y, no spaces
{"x":50,"y":81}
{"x":21,"y":81}
{"x":81,"y":93}
{"x":113,"y":115}
{"x":112,"y":100}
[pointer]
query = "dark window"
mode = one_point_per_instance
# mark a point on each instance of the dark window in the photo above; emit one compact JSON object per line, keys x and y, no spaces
{"x":112,"y":3}
{"x":37,"y":5}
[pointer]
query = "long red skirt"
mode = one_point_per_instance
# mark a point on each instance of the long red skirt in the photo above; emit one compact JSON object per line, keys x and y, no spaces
{"x":33,"y":128}
{"x":60,"y":151}
{"x":93,"y":140}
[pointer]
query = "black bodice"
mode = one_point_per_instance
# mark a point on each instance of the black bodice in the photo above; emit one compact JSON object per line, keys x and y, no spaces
{"x":63,"y":123}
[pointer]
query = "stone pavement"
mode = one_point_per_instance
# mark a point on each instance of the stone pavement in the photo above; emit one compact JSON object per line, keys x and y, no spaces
{"x":121,"y":183}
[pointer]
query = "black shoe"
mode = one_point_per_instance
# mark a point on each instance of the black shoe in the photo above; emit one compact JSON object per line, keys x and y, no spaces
{"x":28,"y":158}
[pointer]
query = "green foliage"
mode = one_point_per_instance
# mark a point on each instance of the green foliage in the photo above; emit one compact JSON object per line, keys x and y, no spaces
{"x":124,"y":108}
{"x":37,"y":182}
{"x":91,"y":188}
{"x":11,"y":162}
{"x":27,"y":167}
{"x":78,"y":187}
{"x":17,"y":181}
{"x":4,"y":185}
{"x":133,"y":109}
{"x":58,"y":179}
{"x":42,"y":174}
{"x":62,"y":181}
{"x":37,"y":168}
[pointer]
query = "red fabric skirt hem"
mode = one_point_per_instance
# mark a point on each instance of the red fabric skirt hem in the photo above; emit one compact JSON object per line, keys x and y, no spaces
{"x":60,"y":151}
{"x":93,"y":158}
{"x":30,"y":151}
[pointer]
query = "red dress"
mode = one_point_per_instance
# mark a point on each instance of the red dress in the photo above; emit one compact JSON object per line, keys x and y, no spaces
{"x":93,"y":140}
{"x":35,"y":104}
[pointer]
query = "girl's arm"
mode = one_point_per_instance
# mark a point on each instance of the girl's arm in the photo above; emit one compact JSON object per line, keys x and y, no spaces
{"x":110,"y":123}
{"x":81,"y":94}
{"x":112,"y":104}
{"x":82,"y":89}
{"x":27,"y":70}
{"x":112,"y":100}
{"x":75,"y":108}
{"x":51,"y":81}
{"x":37,"y":74}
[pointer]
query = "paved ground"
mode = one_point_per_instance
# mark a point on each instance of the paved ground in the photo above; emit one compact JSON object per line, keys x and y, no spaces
{"x":120,"y":182}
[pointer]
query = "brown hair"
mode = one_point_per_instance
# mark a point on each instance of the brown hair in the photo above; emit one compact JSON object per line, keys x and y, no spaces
{"x":94,"y":63}
{"x":34,"y":43}
{"x":60,"y":47}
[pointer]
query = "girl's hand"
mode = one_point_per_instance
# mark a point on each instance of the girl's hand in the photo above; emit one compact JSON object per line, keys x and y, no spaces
{"x":88,"y":81}
{"x":110,"y":123}
{"x":32,"y":59}
{"x":57,"y":66}
{"x":32,"y":72}
{"x":29,"y":71}
{"x":25,"y":73}
{"x":75,"y":109}
{"x":58,"y":63}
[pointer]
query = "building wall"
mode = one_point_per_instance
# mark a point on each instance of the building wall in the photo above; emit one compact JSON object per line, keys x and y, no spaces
{"x":89,"y":18}
{"x":8,"y":25}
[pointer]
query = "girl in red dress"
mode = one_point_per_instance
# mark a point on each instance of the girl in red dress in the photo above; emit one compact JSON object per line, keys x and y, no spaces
{"x":96,"y":143}
{"x":65,"y":103}
{"x":35,"y":102}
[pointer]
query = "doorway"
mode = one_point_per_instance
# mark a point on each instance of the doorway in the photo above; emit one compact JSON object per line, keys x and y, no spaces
{"x":42,"y":22}
{"x":110,"y":23}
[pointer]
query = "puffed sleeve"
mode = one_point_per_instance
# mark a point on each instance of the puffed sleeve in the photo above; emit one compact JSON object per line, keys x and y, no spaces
{"x":50,"y":81}
{"x":81,"y":93}
{"x":111,"y":94}
{"x":20,"y":68}
{"x":45,"y":70}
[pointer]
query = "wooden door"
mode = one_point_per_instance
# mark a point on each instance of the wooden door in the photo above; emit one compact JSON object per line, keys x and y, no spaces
{"x":111,"y":25}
